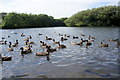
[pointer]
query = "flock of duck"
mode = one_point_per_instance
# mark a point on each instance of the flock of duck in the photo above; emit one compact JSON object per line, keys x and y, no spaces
{"x":27,"y":48}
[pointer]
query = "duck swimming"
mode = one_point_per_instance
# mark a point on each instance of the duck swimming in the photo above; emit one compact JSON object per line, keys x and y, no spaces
{"x":103,"y":45}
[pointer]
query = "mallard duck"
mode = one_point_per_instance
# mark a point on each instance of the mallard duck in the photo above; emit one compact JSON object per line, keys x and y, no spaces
{"x":42,"y":53}
{"x":48,"y":38}
{"x":74,"y":37}
{"x":26,"y":51}
{"x":103,"y":45}
{"x":56,"y":42}
{"x":10,"y":49}
{"x":61,"y":46}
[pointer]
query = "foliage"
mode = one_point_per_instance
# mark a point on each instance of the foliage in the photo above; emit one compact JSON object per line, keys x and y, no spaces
{"x":103,"y":16}
{"x":21,"y":20}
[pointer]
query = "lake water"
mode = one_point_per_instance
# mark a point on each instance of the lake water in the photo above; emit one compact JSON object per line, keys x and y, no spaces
{"x":71,"y":62}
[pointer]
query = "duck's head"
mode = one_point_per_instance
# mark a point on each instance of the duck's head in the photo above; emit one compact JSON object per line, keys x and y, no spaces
{"x":10,"y":43}
{"x":21,"y":48}
{"x":53,"y":39}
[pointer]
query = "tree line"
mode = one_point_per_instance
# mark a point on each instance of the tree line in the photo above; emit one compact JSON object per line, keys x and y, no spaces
{"x":22,"y":20}
{"x":102,"y":16}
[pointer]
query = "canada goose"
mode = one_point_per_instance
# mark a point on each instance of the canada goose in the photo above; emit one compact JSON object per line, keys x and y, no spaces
{"x":61,"y":46}
{"x":75,"y":37}
{"x":22,"y":35}
{"x":62,"y":39}
{"x":48,"y":38}
{"x":56,"y":42}
{"x":10,"y":49}
{"x":5,"y":58}
{"x":26,"y":51}
{"x":42,"y":53}
{"x":103,"y":45}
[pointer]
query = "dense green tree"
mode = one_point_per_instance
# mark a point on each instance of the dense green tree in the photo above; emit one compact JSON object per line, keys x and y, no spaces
{"x":21,"y":20}
{"x":102,"y":16}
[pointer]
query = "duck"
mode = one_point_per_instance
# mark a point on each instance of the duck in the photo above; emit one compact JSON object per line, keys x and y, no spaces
{"x":62,"y":39}
{"x":42,"y":53}
{"x":40,"y":34}
{"x":113,"y":40}
{"x":3,"y":42}
{"x":48,"y":38}
{"x":103,"y":45}
{"x":27,"y":47}
{"x":82,"y":34}
{"x":74,"y":37}
{"x":10,"y":49}
{"x":8,"y":36}
{"x":50,"y":50}
{"x":92,"y":37}
{"x":31,"y":42}
{"x":26,"y":51}
{"x":66,"y":35}
{"x":22,"y":35}
{"x":30,"y":37}
{"x":5,"y":58}
{"x":83,"y":40}
{"x":61,"y":46}
{"x":118,"y":43}
{"x":56,"y":42}
{"x":26,"y":39}
{"x":75,"y":43}
{"x":14,"y":45}
{"x":88,"y":43}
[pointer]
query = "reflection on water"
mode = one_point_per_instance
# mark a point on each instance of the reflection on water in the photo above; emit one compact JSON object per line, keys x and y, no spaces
{"x":71,"y":62}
